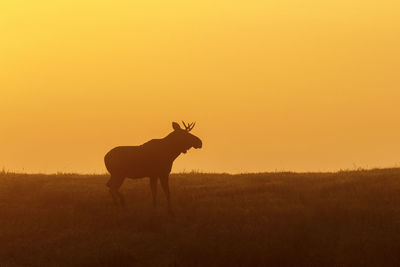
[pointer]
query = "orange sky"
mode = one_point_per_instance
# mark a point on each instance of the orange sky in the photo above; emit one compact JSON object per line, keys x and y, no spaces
{"x":273,"y":85}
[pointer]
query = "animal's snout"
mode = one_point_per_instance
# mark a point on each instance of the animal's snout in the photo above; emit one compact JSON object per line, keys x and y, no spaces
{"x":198,"y":144}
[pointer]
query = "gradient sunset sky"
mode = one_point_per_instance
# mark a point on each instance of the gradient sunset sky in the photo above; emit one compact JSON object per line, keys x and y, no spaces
{"x":273,"y":85}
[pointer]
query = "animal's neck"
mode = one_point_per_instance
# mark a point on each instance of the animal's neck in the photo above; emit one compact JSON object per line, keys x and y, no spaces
{"x":170,"y":147}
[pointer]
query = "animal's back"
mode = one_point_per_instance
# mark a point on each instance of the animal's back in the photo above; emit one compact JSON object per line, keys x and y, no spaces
{"x":117,"y":158}
{"x":133,"y":161}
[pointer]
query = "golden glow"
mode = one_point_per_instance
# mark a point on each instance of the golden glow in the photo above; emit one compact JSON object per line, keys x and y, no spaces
{"x":273,"y":85}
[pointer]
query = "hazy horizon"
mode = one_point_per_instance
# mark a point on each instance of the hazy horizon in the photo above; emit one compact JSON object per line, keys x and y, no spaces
{"x":288,"y":85}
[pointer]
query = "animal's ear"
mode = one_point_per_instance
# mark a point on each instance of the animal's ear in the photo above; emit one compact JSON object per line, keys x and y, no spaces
{"x":176,"y":126}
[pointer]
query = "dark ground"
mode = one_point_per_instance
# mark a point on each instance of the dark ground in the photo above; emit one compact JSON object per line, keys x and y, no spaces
{"x":272,"y":219}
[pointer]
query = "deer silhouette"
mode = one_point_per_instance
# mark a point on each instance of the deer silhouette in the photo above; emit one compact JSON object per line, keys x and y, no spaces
{"x":152,"y":159}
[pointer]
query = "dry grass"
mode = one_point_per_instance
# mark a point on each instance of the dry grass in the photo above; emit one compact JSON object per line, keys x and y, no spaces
{"x":286,"y":219}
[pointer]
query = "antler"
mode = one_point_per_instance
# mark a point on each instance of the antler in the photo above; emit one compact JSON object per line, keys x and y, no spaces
{"x":189,"y":127}
{"x":184,"y":125}
{"x":192,"y":126}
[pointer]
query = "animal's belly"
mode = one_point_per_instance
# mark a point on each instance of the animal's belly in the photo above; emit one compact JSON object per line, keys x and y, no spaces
{"x":133,"y":163}
{"x":135,"y":170}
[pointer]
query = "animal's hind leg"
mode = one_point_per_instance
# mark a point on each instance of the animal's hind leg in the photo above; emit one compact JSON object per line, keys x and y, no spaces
{"x":153,"y":186}
{"x":114,"y":184}
{"x":109,"y":184}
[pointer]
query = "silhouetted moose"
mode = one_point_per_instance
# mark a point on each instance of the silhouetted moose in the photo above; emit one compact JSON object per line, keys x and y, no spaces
{"x":153,"y":159}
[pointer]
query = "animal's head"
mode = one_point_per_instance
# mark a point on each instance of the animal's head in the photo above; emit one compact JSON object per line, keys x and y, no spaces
{"x":183,"y":139}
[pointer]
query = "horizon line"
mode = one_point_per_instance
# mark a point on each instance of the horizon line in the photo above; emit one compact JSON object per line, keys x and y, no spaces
{"x":196,"y":172}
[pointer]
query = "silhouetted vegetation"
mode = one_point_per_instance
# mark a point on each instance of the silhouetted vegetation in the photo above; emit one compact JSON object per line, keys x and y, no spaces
{"x":348,"y":218}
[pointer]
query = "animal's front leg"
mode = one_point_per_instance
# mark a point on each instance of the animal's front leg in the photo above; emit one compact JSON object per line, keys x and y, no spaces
{"x":165,"y":186}
{"x":153,"y":186}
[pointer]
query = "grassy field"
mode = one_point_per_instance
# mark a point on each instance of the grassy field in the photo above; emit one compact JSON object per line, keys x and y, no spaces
{"x":286,"y":219}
